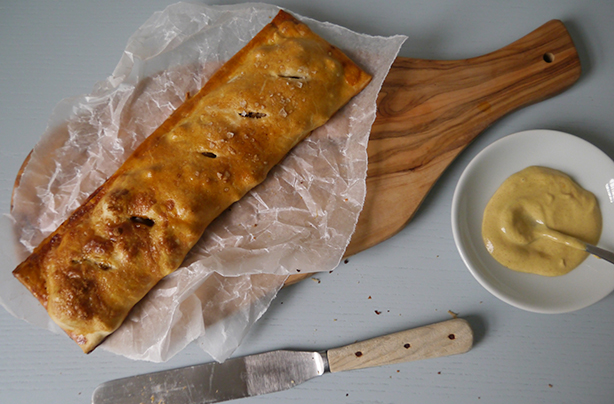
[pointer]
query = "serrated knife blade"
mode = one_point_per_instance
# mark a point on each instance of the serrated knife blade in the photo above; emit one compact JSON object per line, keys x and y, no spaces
{"x":280,"y":370}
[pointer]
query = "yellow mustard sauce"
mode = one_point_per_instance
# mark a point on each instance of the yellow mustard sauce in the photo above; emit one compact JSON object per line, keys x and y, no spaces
{"x":538,"y":221}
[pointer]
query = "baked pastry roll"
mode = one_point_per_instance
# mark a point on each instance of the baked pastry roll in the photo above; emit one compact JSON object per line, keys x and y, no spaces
{"x":141,"y":223}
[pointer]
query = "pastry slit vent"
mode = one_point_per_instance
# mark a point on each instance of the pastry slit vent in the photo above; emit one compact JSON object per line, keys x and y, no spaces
{"x":142,"y":220}
{"x":251,"y":114}
{"x":291,"y":77}
{"x":209,"y":154}
{"x":100,"y":265}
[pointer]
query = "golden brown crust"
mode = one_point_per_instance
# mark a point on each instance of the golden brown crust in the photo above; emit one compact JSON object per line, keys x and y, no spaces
{"x":140,"y":224}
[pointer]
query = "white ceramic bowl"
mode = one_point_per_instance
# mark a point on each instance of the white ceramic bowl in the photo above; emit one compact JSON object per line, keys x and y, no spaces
{"x":588,"y":166}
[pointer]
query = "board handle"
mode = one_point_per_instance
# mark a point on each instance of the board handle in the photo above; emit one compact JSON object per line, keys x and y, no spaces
{"x":432,"y":341}
{"x":430,"y":108}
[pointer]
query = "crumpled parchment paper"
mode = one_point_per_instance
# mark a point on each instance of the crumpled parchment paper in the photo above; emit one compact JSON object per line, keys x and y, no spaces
{"x":300,"y":219}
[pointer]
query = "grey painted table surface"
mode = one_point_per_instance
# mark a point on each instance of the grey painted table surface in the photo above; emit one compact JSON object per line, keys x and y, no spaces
{"x":52,"y":50}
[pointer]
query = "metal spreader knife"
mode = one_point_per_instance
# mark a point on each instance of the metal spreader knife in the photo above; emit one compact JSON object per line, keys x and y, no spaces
{"x":280,"y":370}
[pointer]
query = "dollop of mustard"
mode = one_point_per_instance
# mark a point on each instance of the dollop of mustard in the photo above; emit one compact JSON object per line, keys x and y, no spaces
{"x":538,"y":220}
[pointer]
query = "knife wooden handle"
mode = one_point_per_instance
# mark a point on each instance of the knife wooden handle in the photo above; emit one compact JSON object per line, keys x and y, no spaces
{"x":432,"y":341}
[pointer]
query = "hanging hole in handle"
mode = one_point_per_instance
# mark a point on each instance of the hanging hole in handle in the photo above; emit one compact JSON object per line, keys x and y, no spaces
{"x":548,"y":57}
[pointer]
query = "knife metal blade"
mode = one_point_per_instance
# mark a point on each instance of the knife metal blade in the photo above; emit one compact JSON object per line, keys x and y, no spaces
{"x":214,"y":382}
{"x":280,"y":370}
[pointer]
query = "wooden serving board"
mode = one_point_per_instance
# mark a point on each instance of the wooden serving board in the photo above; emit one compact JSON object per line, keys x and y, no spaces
{"x":430,"y":110}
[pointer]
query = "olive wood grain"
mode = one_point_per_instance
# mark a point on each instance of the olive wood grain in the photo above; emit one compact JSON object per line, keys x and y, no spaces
{"x":430,"y":110}
{"x":447,"y":338}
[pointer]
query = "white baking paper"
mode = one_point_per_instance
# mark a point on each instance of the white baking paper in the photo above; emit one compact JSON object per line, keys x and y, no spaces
{"x":300,"y":219}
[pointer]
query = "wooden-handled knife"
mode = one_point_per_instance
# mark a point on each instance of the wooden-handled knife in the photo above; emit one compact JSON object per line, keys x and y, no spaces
{"x":280,"y":370}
